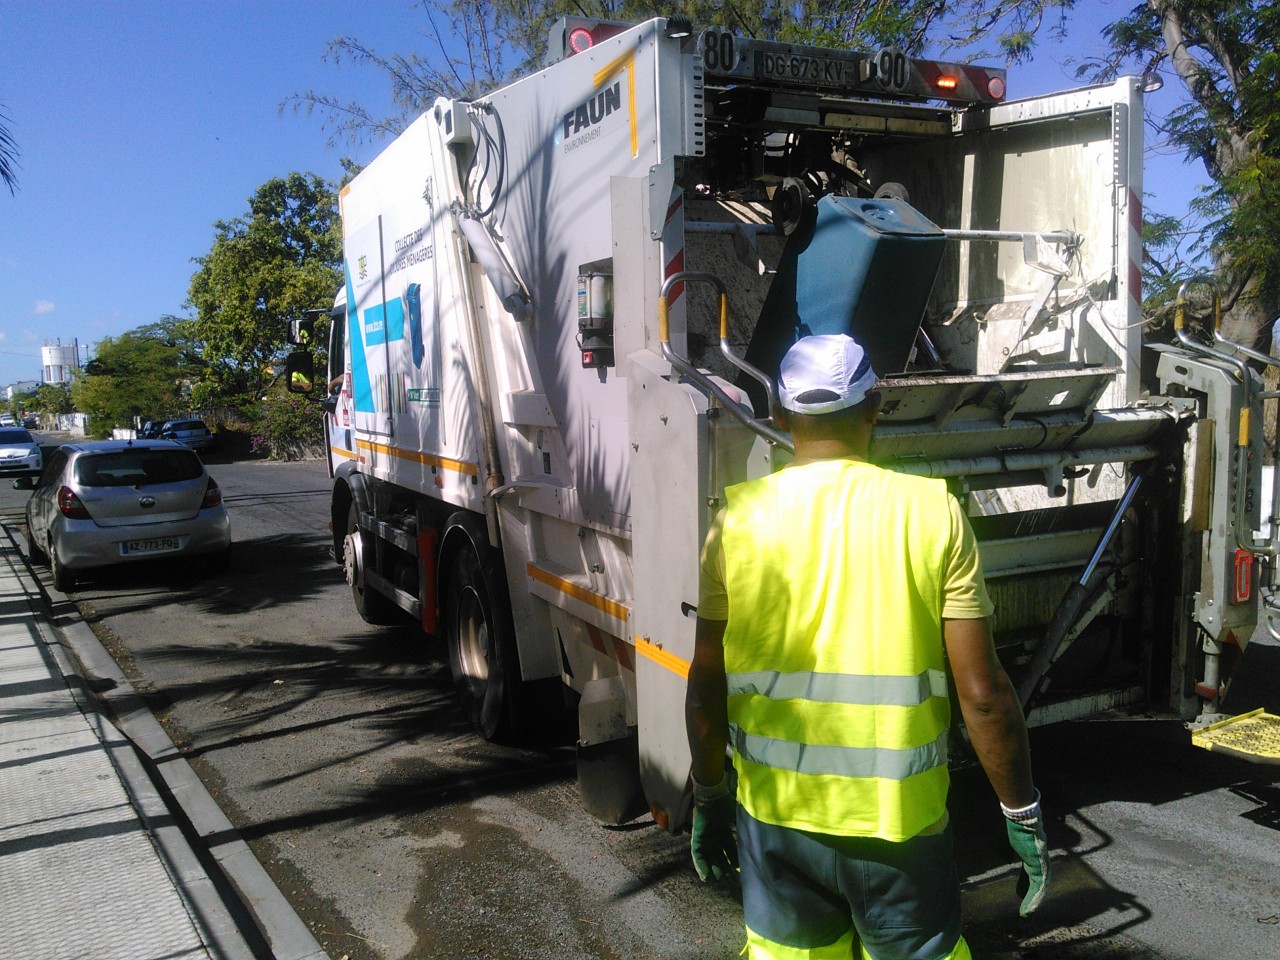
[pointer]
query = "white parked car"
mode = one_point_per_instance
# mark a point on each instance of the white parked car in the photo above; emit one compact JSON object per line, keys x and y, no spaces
{"x":109,"y":502}
{"x":190,"y":433}
{"x":6,"y":420}
{"x":19,"y":454}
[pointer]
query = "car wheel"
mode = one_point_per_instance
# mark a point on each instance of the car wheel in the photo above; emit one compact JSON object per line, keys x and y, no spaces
{"x":38,"y":556}
{"x":63,"y":579}
{"x":372,"y":606}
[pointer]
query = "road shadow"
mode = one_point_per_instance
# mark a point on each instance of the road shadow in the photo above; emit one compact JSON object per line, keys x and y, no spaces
{"x":263,"y":572}
{"x":1081,"y":766}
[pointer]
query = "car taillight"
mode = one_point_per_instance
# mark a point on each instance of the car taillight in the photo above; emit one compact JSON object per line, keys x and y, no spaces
{"x":212,"y":495}
{"x":70,"y":506}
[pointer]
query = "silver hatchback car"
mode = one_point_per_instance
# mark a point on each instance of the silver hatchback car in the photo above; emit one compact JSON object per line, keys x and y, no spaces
{"x":108,"y":502}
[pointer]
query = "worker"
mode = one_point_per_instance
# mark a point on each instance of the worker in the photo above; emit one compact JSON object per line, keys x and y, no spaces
{"x":828,"y":592}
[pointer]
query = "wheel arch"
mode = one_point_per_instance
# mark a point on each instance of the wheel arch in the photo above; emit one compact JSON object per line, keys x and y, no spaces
{"x":462,"y":530}
{"x":349,"y":487}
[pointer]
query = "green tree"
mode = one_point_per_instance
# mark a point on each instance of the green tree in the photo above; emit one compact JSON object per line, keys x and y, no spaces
{"x":8,"y":154}
{"x":52,"y":399}
{"x":1223,"y":53}
{"x":142,"y":372}
{"x":282,"y":258}
{"x":289,"y":427}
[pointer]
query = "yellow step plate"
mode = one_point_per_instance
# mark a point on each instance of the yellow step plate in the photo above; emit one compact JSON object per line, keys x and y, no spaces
{"x":1251,"y":736}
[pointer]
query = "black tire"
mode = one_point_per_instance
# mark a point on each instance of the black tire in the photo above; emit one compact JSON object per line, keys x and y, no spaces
{"x":373,"y":607}
{"x":63,"y":579}
{"x":476,"y":625}
{"x":38,"y":556}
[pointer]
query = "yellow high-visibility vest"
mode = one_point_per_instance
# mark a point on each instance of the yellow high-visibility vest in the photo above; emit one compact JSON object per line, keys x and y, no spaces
{"x":838,"y":705}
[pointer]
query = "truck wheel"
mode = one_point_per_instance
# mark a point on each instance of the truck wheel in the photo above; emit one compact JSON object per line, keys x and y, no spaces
{"x":477,"y":627}
{"x":372,"y":606}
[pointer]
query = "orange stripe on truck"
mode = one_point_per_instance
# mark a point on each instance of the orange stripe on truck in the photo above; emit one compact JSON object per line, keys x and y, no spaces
{"x":429,"y":459}
{"x":582,"y":594}
{"x":662,"y":658}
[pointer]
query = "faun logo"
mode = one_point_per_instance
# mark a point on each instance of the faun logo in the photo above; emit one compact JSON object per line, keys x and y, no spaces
{"x":363,"y":264}
{"x":588,"y":114}
{"x":581,"y":125}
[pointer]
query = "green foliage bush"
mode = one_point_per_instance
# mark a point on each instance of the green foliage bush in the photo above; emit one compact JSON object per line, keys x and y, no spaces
{"x":290,"y":427}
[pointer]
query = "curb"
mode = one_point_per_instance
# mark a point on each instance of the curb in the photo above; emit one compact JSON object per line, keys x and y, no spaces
{"x":214,"y":868}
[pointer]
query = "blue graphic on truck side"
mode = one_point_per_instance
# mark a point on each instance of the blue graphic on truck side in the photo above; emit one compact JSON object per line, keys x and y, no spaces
{"x":414,"y":298}
{"x":361,"y":388}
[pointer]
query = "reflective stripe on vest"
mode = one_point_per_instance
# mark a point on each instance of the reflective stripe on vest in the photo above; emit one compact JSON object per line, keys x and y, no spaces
{"x":841,"y":687}
{"x":824,"y":760}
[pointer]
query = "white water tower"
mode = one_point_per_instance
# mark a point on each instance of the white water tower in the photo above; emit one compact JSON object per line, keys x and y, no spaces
{"x":60,"y":363}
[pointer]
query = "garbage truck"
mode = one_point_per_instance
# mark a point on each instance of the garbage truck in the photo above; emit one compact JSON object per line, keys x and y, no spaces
{"x":564,"y":305}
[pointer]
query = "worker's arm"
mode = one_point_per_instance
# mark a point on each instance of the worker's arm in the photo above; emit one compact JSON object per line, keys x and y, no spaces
{"x":991,"y":711}
{"x":705,"y":709}
{"x":712,"y":842}
{"x":998,"y":732}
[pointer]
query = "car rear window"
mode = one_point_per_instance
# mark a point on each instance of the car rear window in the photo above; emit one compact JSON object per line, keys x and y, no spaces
{"x":127,"y":468}
{"x":15,"y":436}
{"x":187,"y":425}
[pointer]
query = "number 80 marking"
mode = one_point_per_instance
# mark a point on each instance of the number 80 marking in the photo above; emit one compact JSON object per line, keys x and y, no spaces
{"x":717,"y":54}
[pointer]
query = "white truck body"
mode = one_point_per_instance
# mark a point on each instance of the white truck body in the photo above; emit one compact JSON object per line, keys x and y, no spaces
{"x":494,"y":242}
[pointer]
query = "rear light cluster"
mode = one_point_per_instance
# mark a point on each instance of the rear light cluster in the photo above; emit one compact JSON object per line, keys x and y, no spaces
{"x":70,"y":506}
{"x":212,"y":495}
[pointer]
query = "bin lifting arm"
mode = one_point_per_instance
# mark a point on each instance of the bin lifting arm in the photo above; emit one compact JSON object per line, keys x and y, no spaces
{"x":701,"y":379}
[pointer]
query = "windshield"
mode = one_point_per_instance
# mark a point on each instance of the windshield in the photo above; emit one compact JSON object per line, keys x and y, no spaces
{"x":15,"y":436}
{"x":130,"y":468}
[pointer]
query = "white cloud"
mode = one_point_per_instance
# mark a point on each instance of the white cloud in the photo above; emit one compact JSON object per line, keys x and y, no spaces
{"x":44,"y":306}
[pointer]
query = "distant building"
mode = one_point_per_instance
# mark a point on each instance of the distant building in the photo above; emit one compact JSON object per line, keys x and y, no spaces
{"x":60,"y":363}
{"x":22,"y":386}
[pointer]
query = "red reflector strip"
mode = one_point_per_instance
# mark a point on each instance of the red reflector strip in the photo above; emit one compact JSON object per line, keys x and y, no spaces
{"x":1243,"y":586}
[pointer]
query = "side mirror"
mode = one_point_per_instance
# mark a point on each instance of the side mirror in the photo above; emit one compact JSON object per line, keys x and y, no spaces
{"x":300,"y":372}
{"x":24,"y":483}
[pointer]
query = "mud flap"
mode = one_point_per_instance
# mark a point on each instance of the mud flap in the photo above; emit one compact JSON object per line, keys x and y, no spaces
{"x":609,"y":779}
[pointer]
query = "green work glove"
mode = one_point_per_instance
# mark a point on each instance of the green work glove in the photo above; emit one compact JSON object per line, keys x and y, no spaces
{"x":1026,"y":835}
{"x":713,"y":845}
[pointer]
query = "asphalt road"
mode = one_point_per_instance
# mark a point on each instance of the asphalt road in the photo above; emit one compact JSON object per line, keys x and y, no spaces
{"x":337,"y":751}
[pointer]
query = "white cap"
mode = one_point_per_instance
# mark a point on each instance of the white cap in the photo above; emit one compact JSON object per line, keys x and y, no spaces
{"x":833,"y":363}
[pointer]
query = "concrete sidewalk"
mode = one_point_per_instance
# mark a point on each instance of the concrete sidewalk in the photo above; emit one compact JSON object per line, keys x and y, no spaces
{"x":102,"y":852}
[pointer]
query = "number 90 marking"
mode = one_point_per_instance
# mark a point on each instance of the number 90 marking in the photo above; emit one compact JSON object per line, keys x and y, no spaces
{"x":891,"y":69}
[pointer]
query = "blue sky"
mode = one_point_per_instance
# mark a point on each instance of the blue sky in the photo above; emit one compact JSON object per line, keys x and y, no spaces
{"x":141,"y":123}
